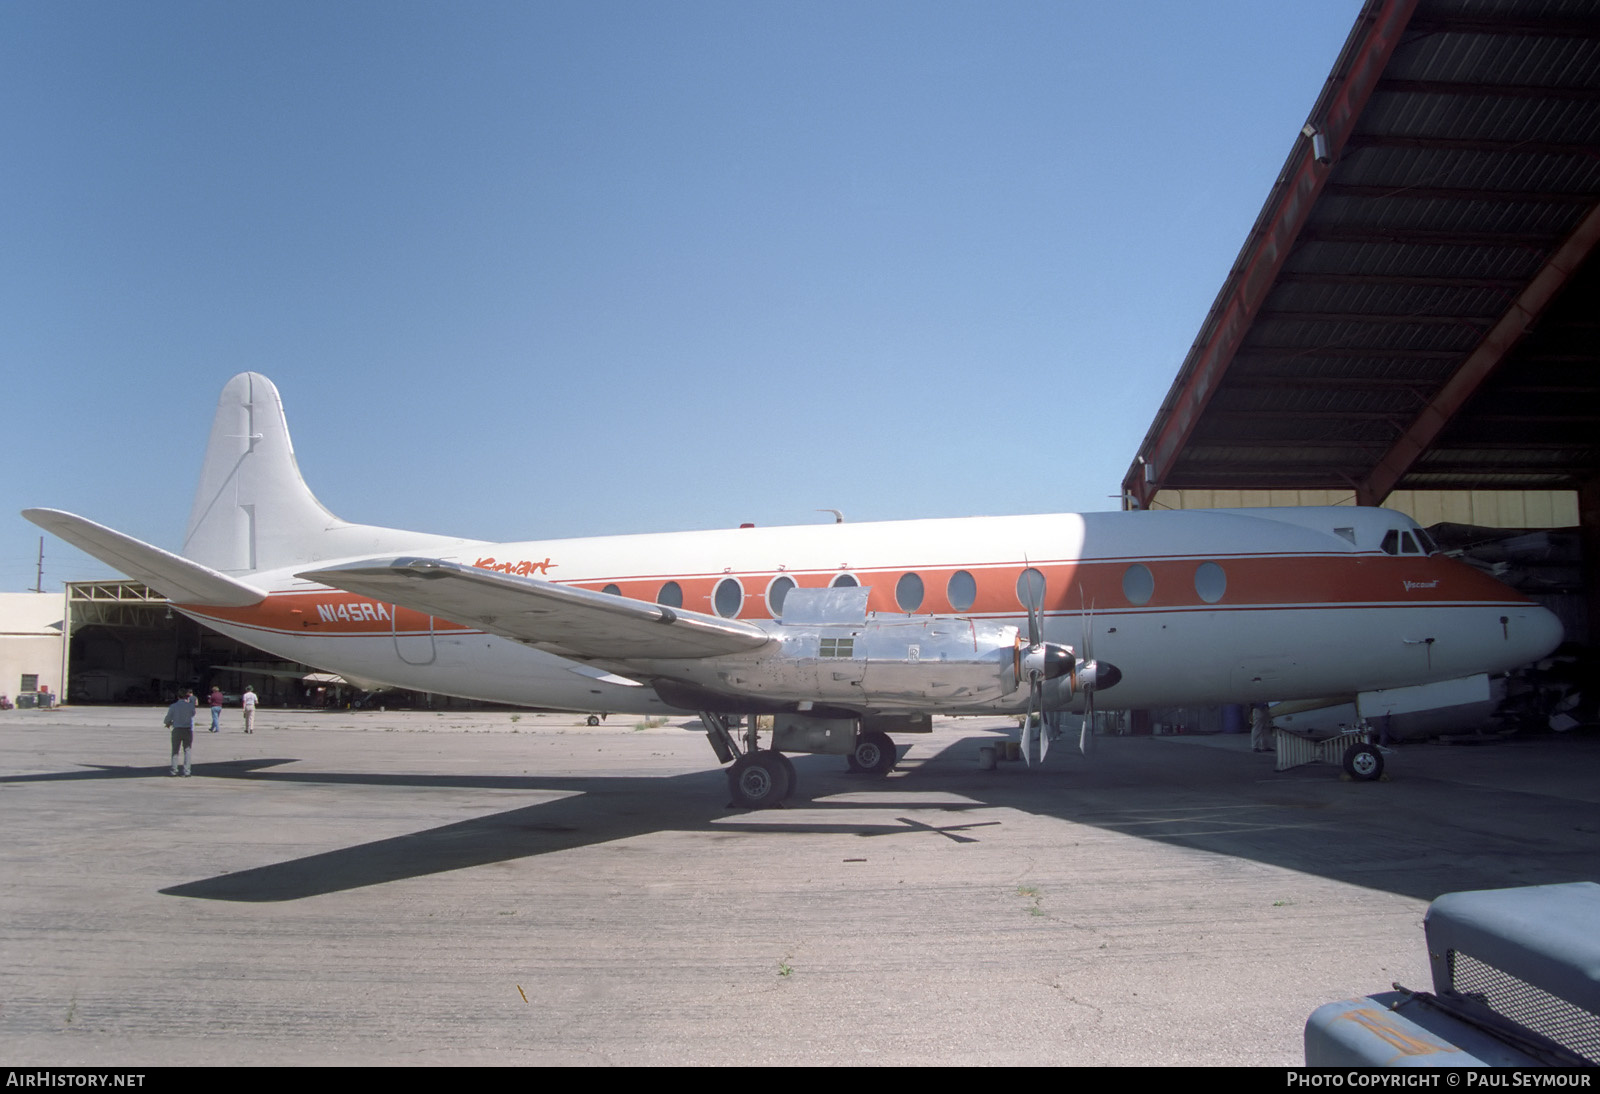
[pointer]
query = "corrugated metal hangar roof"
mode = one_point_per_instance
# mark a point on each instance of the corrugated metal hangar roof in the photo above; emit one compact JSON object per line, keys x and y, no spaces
{"x":1418,"y":302}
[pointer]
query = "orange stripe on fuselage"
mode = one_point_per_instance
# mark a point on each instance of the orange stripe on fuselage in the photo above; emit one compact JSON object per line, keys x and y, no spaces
{"x":1070,"y":586}
{"x":1254,"y":581}
{"x":325,"y":611}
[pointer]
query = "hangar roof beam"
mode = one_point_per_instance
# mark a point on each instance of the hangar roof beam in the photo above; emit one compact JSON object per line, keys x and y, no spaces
{"x":1415,"y":311}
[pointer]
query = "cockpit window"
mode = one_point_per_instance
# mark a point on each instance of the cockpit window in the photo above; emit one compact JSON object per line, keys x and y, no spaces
{"x":1407,"y":541}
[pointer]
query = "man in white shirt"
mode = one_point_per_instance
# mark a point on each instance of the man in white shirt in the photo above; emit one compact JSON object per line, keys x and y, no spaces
{"x":249,"y":703}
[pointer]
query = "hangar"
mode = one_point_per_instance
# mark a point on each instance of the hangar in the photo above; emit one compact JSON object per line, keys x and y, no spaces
{"x":1411,"y":320}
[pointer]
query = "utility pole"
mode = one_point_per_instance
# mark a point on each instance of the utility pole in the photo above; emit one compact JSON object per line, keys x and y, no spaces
{"x":38,"y":581}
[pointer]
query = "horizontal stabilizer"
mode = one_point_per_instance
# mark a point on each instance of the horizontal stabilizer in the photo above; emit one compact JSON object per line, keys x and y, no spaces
{"x":174,"y":577}
{"x":301,"y":676}
{"x":571,"y":622}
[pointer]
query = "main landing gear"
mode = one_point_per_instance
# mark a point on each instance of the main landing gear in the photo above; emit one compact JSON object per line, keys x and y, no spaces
{"x":764,"y":778}
{"x":759,"y":778}
{"x":874,"y":753}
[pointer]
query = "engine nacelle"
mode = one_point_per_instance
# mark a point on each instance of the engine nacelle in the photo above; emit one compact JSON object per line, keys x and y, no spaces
{"x":921,"y":663}
{"x":829,"y":657}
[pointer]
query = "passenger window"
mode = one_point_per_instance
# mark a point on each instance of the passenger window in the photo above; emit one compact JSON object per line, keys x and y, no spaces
{"x":1138,"y":584}
{"x":1210,"y":582}
{"x":776,"y":592}
{"x":962,"y":591}
{"x":908,"y":592}
{"x":844,"y":581}
{"x":728,"y":597}
{"x":1030,"y":588}
{"x":612,"y":589}
{"x":671,"y":595}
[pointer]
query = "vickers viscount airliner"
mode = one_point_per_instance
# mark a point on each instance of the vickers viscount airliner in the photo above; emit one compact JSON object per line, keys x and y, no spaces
{"x":841,"y":632}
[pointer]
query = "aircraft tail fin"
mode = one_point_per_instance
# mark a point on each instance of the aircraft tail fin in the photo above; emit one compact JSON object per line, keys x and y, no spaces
{"x":253,"y":510}
{"x":179,"y":579}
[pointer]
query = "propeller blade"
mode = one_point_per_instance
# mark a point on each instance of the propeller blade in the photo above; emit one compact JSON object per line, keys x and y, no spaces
{"x":1038,"y":705}
{"x":1089,"y":677}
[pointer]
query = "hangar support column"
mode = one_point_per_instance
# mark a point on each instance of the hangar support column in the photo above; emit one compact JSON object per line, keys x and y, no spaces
{"x":1589,"y":548}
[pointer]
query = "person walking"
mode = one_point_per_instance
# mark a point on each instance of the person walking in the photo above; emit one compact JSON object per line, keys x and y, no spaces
{"x":216,"y":708}
{"x":1261,"y":729}
{"x":249,"y":704}
{"x":180,"y":719}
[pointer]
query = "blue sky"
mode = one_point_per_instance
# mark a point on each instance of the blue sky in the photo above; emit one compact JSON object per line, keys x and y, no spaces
{"x":548,"y":269}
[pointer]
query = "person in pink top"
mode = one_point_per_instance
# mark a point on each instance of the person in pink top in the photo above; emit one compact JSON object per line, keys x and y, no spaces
{"x":216,"y":707}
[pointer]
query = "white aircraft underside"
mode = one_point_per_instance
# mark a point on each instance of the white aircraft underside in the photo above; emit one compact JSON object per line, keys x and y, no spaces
{"x":823,"y":623}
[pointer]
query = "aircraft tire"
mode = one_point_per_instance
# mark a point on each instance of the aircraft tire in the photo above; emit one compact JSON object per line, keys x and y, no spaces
{"x":1364,"y":763}
{"x":594,"y":720}
{"x":875,"y":753}
{"x":759,"y":780}
{"x":794,"y":776}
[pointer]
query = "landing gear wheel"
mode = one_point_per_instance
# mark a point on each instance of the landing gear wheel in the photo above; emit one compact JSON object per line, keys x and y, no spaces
{"x":1364,"y":763}
{"x":594,"y":719}
{"x":759,"y":780}
{"x":874,"y":753}
{"x":788,"y":767}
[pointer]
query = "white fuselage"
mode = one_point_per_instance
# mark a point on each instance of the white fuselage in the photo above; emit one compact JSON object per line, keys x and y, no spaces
{"x":1193,"y":607}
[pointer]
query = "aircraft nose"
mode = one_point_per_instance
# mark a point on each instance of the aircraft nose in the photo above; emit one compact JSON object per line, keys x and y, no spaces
{"x":1535,"y":631}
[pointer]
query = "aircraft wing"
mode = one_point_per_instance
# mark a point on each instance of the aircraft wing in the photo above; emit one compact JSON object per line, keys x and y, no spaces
{"x":575,"y":623}
{"x":173,"y":576}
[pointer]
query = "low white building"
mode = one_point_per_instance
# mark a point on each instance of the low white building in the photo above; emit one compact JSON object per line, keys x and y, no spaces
{"x":33,"y":647}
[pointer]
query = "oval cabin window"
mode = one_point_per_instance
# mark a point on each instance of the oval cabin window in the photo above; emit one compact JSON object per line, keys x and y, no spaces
{"x":1138,"y":584}
{"x":962,"y":591}
{"x":908,"y":592}
{"x":728,"y":597}
{"x":1210,"y":582}
{"x":776,"y":592}
{"x":1030,"y":588}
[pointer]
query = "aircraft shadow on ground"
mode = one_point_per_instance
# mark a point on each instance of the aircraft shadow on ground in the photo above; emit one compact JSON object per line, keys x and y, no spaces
{"x":601,"y":810}
{"x":1416,"y":836}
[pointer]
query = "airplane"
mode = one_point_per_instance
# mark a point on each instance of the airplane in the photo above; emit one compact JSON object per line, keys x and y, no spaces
{"x":841,"y":632}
